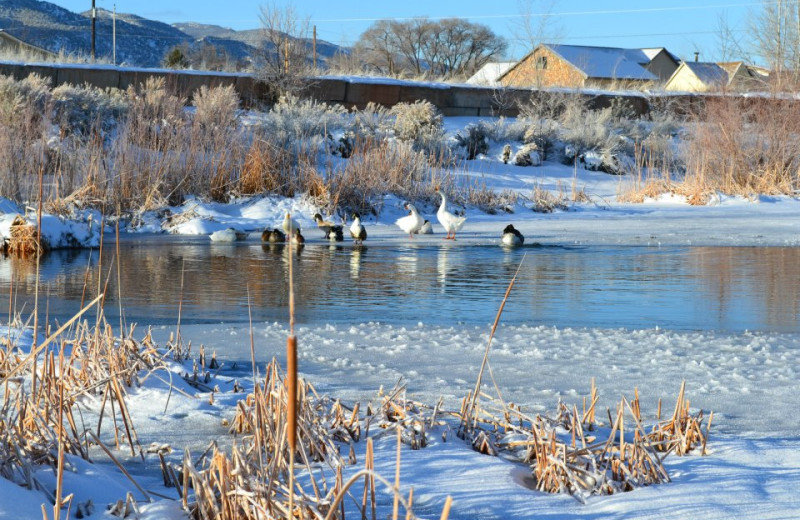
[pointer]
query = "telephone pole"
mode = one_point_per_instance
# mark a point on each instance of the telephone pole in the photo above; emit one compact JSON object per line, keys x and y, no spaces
{"x":94,"y":17}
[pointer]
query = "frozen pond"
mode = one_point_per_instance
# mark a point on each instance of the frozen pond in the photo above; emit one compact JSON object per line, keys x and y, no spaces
{"x":726,"y":289}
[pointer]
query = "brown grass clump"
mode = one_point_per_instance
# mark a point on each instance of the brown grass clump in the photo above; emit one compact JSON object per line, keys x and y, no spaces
{"x":24,"y":240}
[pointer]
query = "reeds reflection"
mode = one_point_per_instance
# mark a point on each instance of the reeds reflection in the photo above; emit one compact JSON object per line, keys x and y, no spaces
{"x":634,"y":287}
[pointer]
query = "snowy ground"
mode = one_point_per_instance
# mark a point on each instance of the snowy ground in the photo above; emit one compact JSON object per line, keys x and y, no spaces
{"x":749,"y":380}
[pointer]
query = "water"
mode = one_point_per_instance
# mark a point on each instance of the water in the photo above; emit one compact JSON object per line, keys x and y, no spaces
{"x":728,"y":289}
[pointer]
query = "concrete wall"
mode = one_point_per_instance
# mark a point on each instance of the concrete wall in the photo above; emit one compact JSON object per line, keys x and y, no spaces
{"x":452,"y":100}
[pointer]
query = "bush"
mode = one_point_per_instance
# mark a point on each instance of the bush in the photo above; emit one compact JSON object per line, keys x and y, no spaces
{"x":417,"y":122}
{"x":474,"y":140}
{"x":215,"y":108}
{"x":83,"y":109}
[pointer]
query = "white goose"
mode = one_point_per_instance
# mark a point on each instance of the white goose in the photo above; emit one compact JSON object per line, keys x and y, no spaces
{"x":357,"y":230}
{"x":289,"y":225}
{"x":449,"y":222}
{"x":412,"y":222}
{"x":512,"y":236}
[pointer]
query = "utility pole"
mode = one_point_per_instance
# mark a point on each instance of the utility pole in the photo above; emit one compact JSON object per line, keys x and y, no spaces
{"x":94,"y":17}
{"x":315,"y":49}
{"x":114,"y":36}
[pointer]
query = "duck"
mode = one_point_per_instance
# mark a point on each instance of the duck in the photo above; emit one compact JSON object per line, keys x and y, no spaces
{"x":274,"y":235}
{"x":289,"y":224}
{"x":412,"y":222}
{"x":426,"y":229}
{"x":512,"y":236}
{"x":357,"y":230}
{"x":297,"y":238}
{"x":451,"y":223}
{"x":336,"y":234}
{"x":326,"y":225}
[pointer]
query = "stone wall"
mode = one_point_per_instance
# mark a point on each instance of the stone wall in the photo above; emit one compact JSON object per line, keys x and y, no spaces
{"x":452,"y":100}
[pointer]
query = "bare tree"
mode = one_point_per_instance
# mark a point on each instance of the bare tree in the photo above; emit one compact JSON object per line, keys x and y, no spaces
{"x":286,"y":55}
{"x":776,"y":33}
{"x":536,"y":24}
{"x":448,"y":48}
{"x":729,"y":43}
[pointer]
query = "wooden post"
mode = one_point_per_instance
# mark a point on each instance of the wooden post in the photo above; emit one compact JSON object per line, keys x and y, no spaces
{"x":286,"y":55}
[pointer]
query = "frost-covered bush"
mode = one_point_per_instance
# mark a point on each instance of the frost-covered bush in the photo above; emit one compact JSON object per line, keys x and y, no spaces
{"x":474,"y":139}
{"x":374,"y":121}
{"x":216,"y":107}
{"x":81,"y":109}
{"x":293,"y":119}
{"x":416,"y":121}
{"x":528,"y":155}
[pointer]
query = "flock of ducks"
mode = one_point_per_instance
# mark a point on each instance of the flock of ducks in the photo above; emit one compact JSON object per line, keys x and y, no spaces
{"x":413,"y":223}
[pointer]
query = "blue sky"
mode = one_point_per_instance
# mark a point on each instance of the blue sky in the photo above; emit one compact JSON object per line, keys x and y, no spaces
{"x":683,"y":26}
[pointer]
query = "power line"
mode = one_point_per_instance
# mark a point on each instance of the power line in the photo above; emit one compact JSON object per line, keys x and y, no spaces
{"x":556,"y":14}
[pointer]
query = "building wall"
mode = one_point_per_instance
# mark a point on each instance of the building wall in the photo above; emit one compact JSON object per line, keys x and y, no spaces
{"x":557,"y":73}
{"x":662,"y":66}
{"x":684,"y":80}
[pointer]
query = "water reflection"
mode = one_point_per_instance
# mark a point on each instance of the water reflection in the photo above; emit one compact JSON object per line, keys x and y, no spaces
{"x":681,"y":288}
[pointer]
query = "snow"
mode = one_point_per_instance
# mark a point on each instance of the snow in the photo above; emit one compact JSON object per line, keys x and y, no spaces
{"x":606,"y":62}
{"x":750,"y":380}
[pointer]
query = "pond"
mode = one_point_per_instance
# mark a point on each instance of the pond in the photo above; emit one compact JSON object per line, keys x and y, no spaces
{"x":729,"y":289}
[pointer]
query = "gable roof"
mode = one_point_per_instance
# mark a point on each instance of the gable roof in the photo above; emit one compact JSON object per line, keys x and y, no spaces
{"x":490,"y":73}
{"x":708,"y":72}
{"x":606,"y":62}
{"x":10,"y":38}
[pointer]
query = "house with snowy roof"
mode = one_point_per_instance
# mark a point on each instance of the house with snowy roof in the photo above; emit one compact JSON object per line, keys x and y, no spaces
{"x":694,"y":76}
{"x":490,"y":73}
{"x":552,"y":65}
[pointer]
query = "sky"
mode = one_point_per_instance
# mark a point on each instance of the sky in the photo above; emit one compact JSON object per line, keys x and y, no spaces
{"x":682,"y":26}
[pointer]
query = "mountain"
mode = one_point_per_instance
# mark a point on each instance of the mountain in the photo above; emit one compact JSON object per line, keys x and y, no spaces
{"x":140,"y":42}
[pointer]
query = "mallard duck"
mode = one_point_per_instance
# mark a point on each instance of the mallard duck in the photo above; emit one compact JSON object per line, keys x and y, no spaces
{"x":289,"y":224}
{"x":297,"y":238}
{"x":275,"y":236}
{"x":412,"y":222}
{"x":326,"y":226}
{"x":357,"y":230}
{"x":426,"y":228}
{"x":512,"y":236}
{"x":449,"y":222}
{"x":225,"y":235}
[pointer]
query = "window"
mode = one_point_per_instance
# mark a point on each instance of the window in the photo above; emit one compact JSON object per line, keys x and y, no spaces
{"x":541,"y":62}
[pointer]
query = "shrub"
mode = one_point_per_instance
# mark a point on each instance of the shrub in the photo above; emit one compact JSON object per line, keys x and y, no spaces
{"x":474,"y":139}
{"x":216,"y":107}
{"x":83,"y":109}
{"x":293,"y":119}
{"x":417,"y":122}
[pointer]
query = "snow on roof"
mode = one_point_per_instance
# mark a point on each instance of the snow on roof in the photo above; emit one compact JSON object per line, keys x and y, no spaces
{"x":490,"y":73}
{"x":708,"y":72}
{"x":607,"y":62}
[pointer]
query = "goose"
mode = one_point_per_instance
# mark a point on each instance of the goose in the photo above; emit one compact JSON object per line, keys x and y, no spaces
{"x":412,"y":222}
{"x":426,"y":228}
{"x":226,"y":235}
{"x":512,"y":236}
{"x":326,"y":226}
{"x":357,"y":230}
{"x":449,"y":222}
{"x":289,"y":224}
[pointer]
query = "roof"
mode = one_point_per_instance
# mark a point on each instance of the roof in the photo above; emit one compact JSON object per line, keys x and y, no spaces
{"x":707,"y":72}
{"x":606,"y":62}
{"x":490,"y":73}
{"x":5,"y":35}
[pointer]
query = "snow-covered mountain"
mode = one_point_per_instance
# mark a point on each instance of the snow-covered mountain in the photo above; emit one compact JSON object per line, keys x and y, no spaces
{"x":140,"y":41}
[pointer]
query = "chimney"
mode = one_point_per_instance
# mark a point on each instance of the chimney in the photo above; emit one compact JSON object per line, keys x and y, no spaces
{"x":696,"y":55}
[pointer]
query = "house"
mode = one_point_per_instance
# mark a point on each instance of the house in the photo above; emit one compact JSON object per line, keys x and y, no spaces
{"x":489,"y":74}
{"x":694,"y":76}
{"x":10,"y":44}
{"x":576,"y":66}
